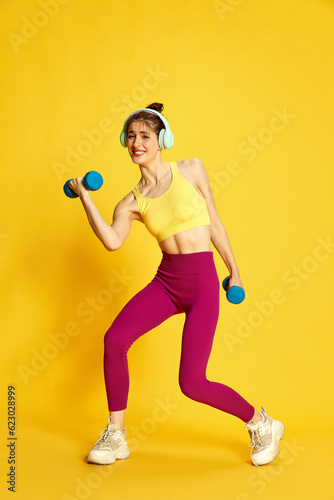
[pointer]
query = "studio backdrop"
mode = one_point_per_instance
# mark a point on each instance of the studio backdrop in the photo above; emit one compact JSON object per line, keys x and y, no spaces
{"x":247,"y":88}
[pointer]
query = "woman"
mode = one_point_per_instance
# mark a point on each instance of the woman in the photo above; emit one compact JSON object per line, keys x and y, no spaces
{"x":175,"y":202}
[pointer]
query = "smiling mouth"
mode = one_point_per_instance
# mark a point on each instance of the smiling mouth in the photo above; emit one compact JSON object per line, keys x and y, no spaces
{"x":138,"y":153}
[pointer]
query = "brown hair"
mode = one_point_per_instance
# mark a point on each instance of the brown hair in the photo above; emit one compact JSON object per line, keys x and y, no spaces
{"x":152,"y":120}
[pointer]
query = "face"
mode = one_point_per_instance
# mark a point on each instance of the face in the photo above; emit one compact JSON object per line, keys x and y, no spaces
{"x":143,"y":143}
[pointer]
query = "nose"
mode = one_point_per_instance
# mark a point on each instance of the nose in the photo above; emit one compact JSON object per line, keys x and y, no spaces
{"x":132,"y":140}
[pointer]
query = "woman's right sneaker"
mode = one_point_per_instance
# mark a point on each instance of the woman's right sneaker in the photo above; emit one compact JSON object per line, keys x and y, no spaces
{"x":110,"y":446}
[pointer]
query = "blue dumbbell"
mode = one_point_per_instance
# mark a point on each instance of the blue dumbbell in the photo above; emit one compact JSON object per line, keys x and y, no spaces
{"x":92,"y":181}
{"x":235,"y":294}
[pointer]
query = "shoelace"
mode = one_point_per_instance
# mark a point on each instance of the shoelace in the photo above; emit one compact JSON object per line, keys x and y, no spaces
{"x":256,"y":437}
{"x":107,"y":435}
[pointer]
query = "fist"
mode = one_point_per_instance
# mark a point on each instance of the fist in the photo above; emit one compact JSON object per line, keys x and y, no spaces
{"x":78,"y":186}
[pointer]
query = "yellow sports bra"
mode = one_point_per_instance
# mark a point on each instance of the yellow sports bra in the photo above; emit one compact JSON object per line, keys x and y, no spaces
{"x":179,"y":208}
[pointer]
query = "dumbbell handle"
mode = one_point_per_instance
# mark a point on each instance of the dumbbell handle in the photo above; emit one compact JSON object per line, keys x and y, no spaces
{"x":235,"y":294}
{"x":92,"y":181}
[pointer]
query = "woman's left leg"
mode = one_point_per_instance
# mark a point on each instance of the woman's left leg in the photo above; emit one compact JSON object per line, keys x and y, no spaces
{"x":199,"y":294}
{"x":198,"y":333}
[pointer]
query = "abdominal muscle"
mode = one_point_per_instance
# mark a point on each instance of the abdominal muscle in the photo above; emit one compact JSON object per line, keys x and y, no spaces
{"x":190,"y":241}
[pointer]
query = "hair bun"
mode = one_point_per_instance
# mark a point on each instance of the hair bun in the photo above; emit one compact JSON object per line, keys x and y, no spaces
{"x":157,"y":106}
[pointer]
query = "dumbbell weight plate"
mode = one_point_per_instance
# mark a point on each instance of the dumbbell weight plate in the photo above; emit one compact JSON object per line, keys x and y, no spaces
{"x":225,"y":282}
{"x":93,"y":180}
{"x":235,"y":294}
{"x":68,"y":191}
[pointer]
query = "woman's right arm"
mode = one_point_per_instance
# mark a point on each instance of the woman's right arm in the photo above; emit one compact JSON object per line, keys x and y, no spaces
{"x":112,"y":236}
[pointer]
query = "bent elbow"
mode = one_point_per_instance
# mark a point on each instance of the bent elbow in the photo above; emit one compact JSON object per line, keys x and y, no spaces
{"x":111,"y":248}
{"x":112,"y":245}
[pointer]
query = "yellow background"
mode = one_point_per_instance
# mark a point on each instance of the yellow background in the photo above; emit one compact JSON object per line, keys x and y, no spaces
{"x":224,"y":71}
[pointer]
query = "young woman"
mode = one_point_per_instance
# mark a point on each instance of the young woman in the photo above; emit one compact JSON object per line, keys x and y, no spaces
{"x":175,"y":202}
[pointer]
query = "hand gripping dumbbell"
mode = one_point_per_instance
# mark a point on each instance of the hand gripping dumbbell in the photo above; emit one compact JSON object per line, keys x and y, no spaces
{"x":92,"y":181}
{"x":235,"y":294}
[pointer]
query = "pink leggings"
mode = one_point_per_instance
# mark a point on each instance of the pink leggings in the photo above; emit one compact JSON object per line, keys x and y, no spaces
{"x":184,"y":283}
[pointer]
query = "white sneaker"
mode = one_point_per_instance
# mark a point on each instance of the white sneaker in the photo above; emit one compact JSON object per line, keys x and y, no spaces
{"x":110,"y":446}
{"x":265,"y":438}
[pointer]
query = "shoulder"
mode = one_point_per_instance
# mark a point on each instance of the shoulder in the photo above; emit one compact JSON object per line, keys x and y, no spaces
{"x":192,"y":167}
{"x":195,"y":172}
{"x":126,"y":201}
{"x":129,"y":205}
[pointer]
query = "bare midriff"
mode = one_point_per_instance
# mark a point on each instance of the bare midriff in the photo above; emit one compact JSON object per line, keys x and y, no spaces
{"x":190,"y":241}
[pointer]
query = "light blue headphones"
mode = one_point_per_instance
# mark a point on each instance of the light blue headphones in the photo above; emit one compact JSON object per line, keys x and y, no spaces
{"x":166,"y":138}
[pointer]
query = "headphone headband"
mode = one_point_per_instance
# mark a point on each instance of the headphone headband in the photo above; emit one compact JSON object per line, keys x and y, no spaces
{"x":166,"y":138}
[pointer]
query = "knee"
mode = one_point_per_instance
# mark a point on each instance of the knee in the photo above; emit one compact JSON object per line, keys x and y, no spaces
{"x":114,"y":341}
{"x":191,"y":388}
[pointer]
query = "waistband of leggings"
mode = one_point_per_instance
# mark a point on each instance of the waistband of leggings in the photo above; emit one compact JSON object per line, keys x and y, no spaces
{"x":187,"y":263}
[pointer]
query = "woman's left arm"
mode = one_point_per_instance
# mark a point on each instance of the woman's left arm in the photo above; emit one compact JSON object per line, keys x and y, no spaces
{"x":219,"y":236}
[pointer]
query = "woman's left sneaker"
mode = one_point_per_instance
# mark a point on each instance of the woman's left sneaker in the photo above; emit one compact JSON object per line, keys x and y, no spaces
{"x":265,"y":438}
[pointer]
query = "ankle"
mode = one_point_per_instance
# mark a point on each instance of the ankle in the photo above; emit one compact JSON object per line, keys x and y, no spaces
{"x":119,"y":427}
{"x":257,"y":417}
{"x":117,"y":418}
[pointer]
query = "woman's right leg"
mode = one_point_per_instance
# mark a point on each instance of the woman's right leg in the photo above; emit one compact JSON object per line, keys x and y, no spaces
{"x":146,"y":310}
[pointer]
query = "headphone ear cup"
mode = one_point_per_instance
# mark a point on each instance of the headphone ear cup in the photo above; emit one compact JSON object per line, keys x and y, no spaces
{"x":123,"y":138}
{"x":161,"y":139}
{"x":166,"y":138}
